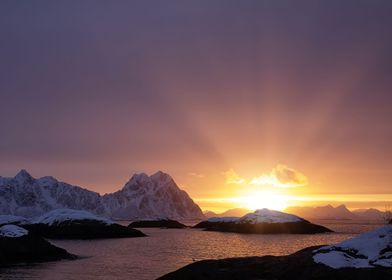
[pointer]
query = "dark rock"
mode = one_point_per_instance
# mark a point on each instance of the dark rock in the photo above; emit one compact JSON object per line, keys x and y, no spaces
{"x":83,"y":229}
{"x":29,"y":248}
{"x":299,"y":265}
{"x":157,"y":224}
{"x":302,"y":227}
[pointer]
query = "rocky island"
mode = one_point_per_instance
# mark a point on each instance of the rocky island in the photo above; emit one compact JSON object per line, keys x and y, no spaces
{"x":76,"y":224}
{"x":263,"y":221}
{"x":19,"y":245}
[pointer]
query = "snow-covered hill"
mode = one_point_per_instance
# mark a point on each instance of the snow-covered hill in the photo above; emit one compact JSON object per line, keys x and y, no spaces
{"x":155,"y":196}
{"x":259,"y":216}
{"x":262,"y":221}
{"x":269,"y":216}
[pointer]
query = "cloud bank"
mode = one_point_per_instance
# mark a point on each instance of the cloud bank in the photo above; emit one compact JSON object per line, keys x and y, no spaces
{"x":281,"y":176}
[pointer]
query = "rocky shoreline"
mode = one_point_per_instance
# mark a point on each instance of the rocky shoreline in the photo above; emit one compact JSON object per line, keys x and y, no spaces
{"x":364,"y":257}
{"x":17,"y":245}
{"x":299,"y":265}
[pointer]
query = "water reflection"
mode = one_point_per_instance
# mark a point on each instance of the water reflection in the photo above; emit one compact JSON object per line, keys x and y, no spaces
{"x":166,"y":250}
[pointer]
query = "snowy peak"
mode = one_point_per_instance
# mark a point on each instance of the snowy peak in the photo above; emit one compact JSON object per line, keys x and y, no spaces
{"x":158,"y":178}
{"x":47,"y":181}
{"x":155,"y":196}
{"x":23,"y":176}
{"x":161,"y":177}
{"x":139,"y":178}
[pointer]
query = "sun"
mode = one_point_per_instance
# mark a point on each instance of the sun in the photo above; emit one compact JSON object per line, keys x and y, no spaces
{"x":265,"y":199}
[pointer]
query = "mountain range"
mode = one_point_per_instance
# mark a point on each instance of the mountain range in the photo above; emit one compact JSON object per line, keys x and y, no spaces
{"x":142,"y":197}
{"x":327,"y":212}
{"x":235,"y":212}
{"x":340,"y":212}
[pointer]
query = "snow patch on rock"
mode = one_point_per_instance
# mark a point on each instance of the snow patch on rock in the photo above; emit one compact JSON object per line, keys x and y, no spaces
{"x":259,"y":216}
{"x":364,"y":251}
{"x":11,"y":219}
{"x":12,"y":231}
{"x":59,"y":216}
{"x":269,"y":216}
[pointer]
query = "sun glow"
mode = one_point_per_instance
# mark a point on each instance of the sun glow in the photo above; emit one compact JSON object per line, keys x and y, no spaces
{"x":265,"y":199}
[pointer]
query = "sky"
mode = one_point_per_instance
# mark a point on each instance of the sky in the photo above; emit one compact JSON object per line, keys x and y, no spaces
{"x":228,"y":97}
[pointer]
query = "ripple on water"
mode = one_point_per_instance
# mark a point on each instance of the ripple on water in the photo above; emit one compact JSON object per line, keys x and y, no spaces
{"x":165,"y":250}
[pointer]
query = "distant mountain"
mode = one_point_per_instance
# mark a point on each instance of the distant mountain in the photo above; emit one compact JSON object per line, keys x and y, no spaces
{"x":369,"y":214}
{"x":336,"y":213}
{"x":142,"y":197}
{"x":236,"y":212}
{"x":209,"y":214}
{"x":322,"y":212}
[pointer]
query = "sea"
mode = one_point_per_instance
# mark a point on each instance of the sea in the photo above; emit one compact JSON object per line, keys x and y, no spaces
{"x":165,"y":250}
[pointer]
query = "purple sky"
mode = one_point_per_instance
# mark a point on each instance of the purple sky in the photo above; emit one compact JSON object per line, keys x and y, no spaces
{"x":92,"y":91}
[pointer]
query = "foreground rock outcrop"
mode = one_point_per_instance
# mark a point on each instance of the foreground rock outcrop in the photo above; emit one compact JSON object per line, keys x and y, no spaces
{"x":157,"y":224}
{"x":263,"y":221}
{"x":18,"y":245}
{"x":366,"y":257}
{"x":74,"y":224}
{"x":372,"y":249}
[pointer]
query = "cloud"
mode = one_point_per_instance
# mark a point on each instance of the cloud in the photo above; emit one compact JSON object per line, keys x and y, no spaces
{"x":233,"y":178}
{"x":281,"y":176}
{"x":289,"y":176}
{"x":197,"y":175}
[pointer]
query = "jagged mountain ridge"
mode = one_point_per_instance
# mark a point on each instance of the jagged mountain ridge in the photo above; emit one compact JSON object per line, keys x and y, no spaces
{"x":155,"y":196}
{"x":235,"y":212}
{"x":340,"y":212}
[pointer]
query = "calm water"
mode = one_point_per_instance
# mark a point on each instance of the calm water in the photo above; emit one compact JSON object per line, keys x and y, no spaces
{"x":165,"y":250}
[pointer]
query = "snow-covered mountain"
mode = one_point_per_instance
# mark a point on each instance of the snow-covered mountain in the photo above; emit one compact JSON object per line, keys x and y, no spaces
{"x":26,"y":196}
{"x":151,"y":197}
{"x":155,"y":196}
